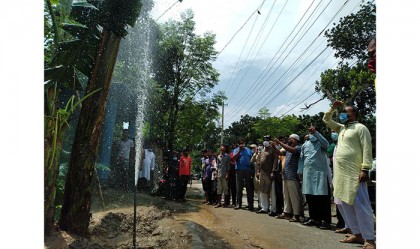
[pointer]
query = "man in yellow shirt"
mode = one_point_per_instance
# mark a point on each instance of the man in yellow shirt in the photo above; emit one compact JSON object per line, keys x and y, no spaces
{"x":353,"y":160}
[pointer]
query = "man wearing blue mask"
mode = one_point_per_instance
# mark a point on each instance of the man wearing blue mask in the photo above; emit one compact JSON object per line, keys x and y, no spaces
{"x":316,"y":180}
{"x":351,"y":165}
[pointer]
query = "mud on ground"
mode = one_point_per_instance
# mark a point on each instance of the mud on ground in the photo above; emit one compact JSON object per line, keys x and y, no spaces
{"x":112,"y":225}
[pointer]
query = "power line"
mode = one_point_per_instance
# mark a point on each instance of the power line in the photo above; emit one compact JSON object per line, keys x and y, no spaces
{"x":288,"y":84}
{"x":296,"y":76}
{"x":255,"y":11}
{"x":298,"y":104}
{"x":257,"y":38}
{"x":319,"y":34}
{"x":291,"y":51}
{"x":243,"y":48}
{"x":296,"y":45}
{"x":299,"y":90}
{"x":168,"y":9}
{"x":302,"y":53}
{"x":269,"y":32}
{"x":282,"y":46}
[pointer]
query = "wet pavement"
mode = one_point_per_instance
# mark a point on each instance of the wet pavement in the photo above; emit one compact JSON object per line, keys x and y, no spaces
{"x":245,"y":229}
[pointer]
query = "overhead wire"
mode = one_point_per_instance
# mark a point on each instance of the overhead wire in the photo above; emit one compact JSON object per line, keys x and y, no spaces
{"x":319,"y":34}
{"x":313,"y":42}
{"x":290,"y":67}
{"x":168,"y":9}
{"x":351,"y":65}
{"x":243,"y":47}
{"x":269,"y":32}
{"x":253,"y":13}
{"x":283,"y":45}
{"x":299,"y":90}
{"x":251,"y":50}
{"x":298,"y":104}
{"x":304,"y":52}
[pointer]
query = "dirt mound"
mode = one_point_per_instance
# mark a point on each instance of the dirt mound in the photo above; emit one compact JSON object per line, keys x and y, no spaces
{"x":114,"y":229}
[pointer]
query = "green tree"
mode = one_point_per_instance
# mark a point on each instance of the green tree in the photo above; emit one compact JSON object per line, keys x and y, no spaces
{"x":197,"y":122}
{"x":305,"y":121}
{"x":350,"y":37}
{"x":244,"y":128}
{"x":276,"y":126}
{"x":184,"y":63}
{"x":351,"y":84}
{"x":70,"y":40}
{"x":264,"y":113}
{"x":113,"y":18}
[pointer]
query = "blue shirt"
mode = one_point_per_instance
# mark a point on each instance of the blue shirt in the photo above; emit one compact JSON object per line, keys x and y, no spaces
{"x":315,"y":170}
{"x":207,"y":168}
{"x":291,"y":164}
{"x":244,"y":160}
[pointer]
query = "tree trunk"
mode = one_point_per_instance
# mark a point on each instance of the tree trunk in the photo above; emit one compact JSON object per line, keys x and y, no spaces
{"x":173,"y":116}
{"x":54,"y":133}
{"x":75,"y":213}
{"x":51,"y":167}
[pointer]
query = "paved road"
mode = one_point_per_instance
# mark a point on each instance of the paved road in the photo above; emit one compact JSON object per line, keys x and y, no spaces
{"x":245,"y":229}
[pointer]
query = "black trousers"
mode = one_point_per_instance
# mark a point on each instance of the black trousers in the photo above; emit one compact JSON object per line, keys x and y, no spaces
{"x":278,"y":187}
{"x":125,"y":175}
{"x":182,"y":188}
{"x":244,"y":177}
{"x":319,"y":207}
{"x":232,"y":187}
{"x":172,"y":186}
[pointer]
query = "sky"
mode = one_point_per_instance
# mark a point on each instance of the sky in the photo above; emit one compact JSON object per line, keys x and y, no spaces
{"x":276,"y":57}
{"x":22,"y":123}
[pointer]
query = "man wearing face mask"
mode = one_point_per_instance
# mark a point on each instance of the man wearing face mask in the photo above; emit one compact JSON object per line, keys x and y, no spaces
{"x":315,"y":181}
{"x":351,"y":166}
{"x":291,"y":190}
{"x":266,"y":170}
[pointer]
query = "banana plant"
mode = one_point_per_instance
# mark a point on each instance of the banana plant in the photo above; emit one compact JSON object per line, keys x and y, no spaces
{"x":56,"y":124}
{"x":114,"y":16}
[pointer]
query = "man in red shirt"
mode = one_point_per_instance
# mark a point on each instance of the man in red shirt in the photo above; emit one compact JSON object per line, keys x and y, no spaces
{"x":184,"y":174}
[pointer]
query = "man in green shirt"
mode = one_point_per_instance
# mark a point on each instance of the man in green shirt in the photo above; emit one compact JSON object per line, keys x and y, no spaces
{"x":353,"y":160}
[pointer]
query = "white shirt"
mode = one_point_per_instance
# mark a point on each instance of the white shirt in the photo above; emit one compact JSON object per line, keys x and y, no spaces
{"x":125,"y":147}
{"x":148,"y":164}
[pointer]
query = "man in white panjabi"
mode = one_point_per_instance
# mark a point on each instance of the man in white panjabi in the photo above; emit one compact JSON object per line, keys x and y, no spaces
{"x":148,"y":165}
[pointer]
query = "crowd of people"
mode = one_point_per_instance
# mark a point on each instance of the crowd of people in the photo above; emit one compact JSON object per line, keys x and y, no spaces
{"x":287,"y":174}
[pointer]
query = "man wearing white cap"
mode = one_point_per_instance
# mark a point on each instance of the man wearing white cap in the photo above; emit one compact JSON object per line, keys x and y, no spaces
{"x":266,"y":168}
{"x":292,"y":201}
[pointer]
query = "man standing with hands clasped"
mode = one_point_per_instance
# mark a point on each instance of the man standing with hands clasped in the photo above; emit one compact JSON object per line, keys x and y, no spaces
{"x":353,"y":160}
{"x":266,"y":170}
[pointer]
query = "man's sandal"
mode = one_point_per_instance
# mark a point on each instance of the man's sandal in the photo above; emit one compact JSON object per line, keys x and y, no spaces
{"x":342,"y":230}
{"x":353,"y":239}
{"x":369,"y":245}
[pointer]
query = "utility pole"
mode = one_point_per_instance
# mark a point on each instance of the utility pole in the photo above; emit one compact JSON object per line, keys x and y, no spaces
{"x":223,"y":118}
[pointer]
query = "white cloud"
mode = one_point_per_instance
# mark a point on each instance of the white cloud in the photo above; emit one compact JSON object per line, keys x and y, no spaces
{"x":224,"y":18}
